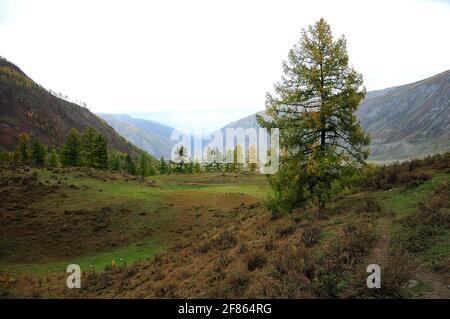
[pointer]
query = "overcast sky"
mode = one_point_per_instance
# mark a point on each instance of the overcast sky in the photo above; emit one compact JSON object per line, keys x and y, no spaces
{"x":209,"y":62}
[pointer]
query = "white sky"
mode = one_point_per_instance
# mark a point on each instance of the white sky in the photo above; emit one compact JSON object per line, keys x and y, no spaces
{"x":209,"y":62}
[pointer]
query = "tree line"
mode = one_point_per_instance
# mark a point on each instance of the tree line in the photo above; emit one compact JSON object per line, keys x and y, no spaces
{"x":90,"y":149}
{"x":86,"y":149}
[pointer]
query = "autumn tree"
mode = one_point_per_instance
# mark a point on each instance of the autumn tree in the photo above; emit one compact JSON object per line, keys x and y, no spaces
{"x":314,"y":107}
{"x":71,"y":153}
{"x":252,"y":158}
{"x":237,"y":158}
{"x":23,"y":149}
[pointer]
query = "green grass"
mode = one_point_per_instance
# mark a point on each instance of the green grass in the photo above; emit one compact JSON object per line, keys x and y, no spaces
{"x":149,"y":205}
{"x":98,"y":261}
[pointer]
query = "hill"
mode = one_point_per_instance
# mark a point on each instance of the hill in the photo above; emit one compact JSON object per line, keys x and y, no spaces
{"x":28,"y":107}
{"x":151,"y":136}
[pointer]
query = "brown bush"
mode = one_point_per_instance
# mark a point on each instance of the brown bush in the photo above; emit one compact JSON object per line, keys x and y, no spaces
{"x":255,"y":260}
{"x":311,"y":235}
{"x":225,"y":240}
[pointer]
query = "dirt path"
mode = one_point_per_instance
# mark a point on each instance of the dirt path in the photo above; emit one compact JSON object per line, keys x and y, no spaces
{"x":439,"y":283}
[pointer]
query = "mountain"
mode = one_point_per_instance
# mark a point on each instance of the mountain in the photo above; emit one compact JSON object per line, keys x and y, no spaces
{"x":407,"y":121}
{"x":25,"y":106}
{"x":411,"y":120}
{"x":151,"y":136}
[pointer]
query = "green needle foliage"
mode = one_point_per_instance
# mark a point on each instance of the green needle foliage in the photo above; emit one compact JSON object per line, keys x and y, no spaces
{"x":38,"y":153}
{"x":314,"y":107}
{"x":71,"y":153}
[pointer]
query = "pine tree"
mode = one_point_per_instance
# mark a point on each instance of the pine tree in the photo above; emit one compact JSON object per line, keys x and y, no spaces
{"x":72,"y":149}
{"x":143,"y":165}
{"x":23,"y":150}
{"x":129,"y":165}
{"x":314,"y":108}
{"x":88,"y":146}
{"x":53,"y":159}
{"x":197,"y":167}
{"x":37,"y":153}
{"x":114,"y":161}
{"x":100,"y":152}
{"x":162,"y":166}
{"x":190,"y":168}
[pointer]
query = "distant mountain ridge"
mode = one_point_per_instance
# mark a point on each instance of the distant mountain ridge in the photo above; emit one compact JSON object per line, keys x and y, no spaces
{"x":151,"y":136}
{"x":27,"y":107}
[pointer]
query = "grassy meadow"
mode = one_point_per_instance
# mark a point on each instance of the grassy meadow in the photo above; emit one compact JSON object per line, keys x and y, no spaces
{"x":210,"y":235}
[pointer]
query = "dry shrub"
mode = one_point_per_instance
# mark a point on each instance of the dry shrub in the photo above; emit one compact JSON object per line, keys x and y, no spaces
{"x":406,"y":174}
{"x":394,"y":279}
{"x":369,"y":205}
{"x":355,"y":242}
{"x":166,"y":290}
{"x":225,"y":240}
{"x":285,"y":231}
{"x":311,"y":235}
{"x":237,"y":283}
{"x":292,"y":270}
{"x":255,"y":260}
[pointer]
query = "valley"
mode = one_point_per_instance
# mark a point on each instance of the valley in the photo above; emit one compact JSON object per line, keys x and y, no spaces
{"x":209,"y":235}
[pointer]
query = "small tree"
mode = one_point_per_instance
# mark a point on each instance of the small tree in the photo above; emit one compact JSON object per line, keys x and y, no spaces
{"x":237,"y":158}
{"x":72,"y":149}
{"x":100,"y":152}
{"x":37,"y":153}
{"x":23,"y":148}
{"x":197,"y":167}
{"x":88,"y":140}
{"x":129,"y":165}
{"x":53,"y":159}
{"x":162,"y":166}
{"x":252,"y":158}
{"x":114,"y":161}
{"x":143,"y":165}
{"x":190,"y":167}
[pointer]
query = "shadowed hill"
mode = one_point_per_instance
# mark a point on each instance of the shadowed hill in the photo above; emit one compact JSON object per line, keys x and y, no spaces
{"x":27,"y":107}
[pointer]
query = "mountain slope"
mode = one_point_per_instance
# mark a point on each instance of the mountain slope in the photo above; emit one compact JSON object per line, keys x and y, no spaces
{"x":407,"y":121}
{"x":412,"y":120}
{"x":27,"y":107}
{"x":151,"y":136}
